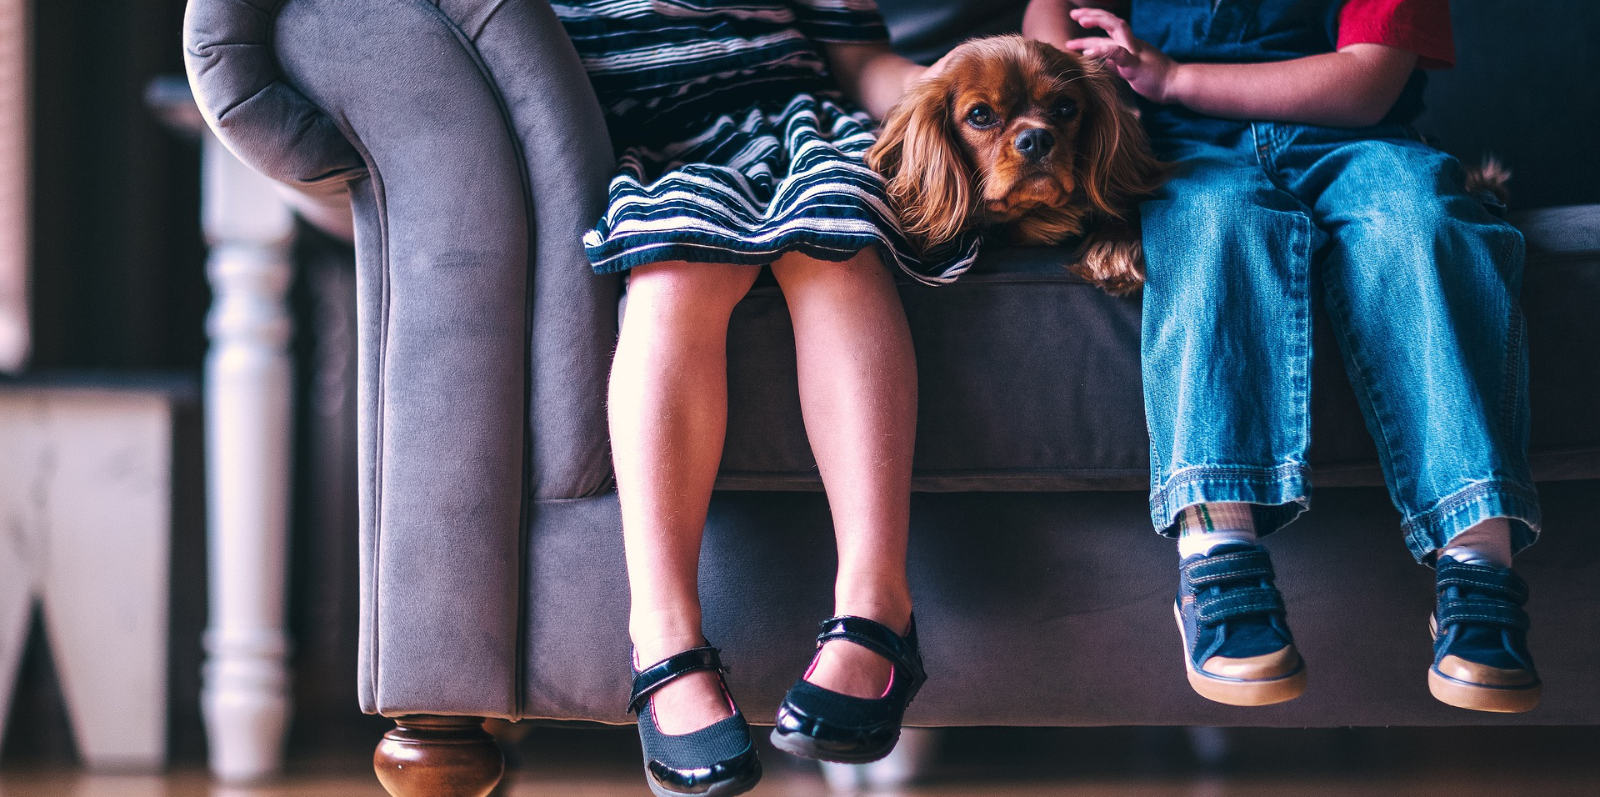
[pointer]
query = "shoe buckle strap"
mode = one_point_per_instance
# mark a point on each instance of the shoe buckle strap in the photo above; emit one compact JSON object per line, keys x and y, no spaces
{"x":1479,"y":611}
{"x":648,"y":681}
{"x":1226,"y":567}
{"x":1214,"y":609}
{"x":900,"y":651}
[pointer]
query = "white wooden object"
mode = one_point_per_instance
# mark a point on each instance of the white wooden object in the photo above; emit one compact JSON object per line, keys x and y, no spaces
{"x":14,"y":183}
{"x":85,"y":496}
{"x":247,"y":383}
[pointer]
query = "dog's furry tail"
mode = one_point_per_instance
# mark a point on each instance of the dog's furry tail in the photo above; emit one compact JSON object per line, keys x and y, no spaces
{"x":1491,"y":176}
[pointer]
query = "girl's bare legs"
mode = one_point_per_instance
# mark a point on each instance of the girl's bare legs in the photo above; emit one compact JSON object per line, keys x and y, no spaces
{"x":858,"y":394}
{"x":668,"y":412}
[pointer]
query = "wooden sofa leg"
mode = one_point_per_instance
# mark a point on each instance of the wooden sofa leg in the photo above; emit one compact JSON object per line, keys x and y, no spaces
{"x":433,"y":756}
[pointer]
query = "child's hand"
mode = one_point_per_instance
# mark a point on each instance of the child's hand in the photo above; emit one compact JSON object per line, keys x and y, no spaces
{"x":1148,"y":70}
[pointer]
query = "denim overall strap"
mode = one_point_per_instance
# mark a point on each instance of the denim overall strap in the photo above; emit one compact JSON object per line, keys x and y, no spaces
{"x":1253,"y":31}
{"x":1237,"y":31}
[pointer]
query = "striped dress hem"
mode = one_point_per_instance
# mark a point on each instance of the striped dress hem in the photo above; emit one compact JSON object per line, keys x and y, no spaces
{"x":734,"y":144}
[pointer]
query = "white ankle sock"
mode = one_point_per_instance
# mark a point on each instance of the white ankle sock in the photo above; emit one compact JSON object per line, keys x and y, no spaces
{"x":1488,"y":543}
{"x":1205,"y":526}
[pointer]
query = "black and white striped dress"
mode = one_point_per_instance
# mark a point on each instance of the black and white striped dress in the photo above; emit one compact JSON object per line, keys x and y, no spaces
{"x":734,"y":143}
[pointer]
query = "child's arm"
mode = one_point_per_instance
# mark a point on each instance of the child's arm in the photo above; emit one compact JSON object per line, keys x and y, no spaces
{"x":1049,"y":21}
{"x":1353,"y":87}
{"x":875,"y":77}
{"x":872,"y":74}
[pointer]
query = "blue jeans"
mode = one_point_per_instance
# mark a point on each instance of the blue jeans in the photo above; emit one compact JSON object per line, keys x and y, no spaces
{"x":1419,"y":280}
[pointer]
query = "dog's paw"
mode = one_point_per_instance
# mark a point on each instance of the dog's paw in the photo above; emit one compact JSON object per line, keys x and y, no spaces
{"x":1114,"y":264}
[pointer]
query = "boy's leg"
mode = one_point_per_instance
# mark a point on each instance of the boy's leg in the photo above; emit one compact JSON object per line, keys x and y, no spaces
{"x":1226,"y":358}
{"x":668,"y":410}
{"x":858,"y":393}
{"x":1226,"y":339}
{"x":1421,"y":285}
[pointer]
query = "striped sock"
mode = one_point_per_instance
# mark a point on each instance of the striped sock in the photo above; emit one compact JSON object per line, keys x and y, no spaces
{"x":1205,"y":526}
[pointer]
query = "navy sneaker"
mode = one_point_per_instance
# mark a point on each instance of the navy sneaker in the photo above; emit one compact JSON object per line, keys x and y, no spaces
{"x":1236,"y":640}
{"x":1480,"y":639}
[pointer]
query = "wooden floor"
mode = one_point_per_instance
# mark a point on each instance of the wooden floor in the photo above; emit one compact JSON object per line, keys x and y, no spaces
{"x":992,"y":762}
{"x":193,"y":784}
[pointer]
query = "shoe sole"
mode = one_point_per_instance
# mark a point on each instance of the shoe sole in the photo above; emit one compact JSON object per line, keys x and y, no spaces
{"x":799,"y":744}
{"x":1477,"y":697}
{"x":1235,"y":692}
{"x":727,"y":788}
{"x":1480,"y":697}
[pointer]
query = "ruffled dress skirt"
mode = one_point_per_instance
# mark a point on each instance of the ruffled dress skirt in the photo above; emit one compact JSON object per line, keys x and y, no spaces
{"x":759,"y":184}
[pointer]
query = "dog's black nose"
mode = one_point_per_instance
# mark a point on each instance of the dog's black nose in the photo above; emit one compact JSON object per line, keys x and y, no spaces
{"x":1035,"y":144}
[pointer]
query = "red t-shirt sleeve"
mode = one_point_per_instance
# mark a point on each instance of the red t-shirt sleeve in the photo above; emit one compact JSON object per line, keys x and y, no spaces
{"x":1420,"y":26}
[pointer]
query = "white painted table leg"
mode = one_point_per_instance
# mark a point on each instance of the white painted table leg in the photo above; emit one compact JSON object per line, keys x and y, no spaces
{"x":106,"y":572}
{"x":85,"y":487}
{"x":247,"y":388}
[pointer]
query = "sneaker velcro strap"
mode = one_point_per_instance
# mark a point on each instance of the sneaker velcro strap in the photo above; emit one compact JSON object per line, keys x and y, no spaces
{"x":1482,"y":612}
{"x":652,"y":678}
{"x":901,"y":651}
{"x":1482,"y":578}
{"x":1214,"y":609}
{"x":1239,"y":566}
{"x":1514,"y":591}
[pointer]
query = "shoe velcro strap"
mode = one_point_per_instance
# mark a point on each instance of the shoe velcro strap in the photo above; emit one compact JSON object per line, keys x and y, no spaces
{"x":1482,"y":612}
{"x":1515,"y":592}
{"x":652,"y":678}
{"x":1483,"y":578}
{"x":901,"y":651}
{"x":1239,"y":566}
{"x":1214,"y":609}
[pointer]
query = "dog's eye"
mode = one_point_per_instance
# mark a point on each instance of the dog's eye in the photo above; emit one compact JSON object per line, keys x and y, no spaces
{"x":1066,"y":109}
{"x":980,"y":116}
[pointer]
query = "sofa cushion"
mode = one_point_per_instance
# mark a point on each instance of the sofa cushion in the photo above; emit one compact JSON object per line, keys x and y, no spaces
{"x":1029,"y":378}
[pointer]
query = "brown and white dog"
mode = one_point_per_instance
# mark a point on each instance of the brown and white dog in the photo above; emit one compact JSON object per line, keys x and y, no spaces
{"x":1028,"y":143}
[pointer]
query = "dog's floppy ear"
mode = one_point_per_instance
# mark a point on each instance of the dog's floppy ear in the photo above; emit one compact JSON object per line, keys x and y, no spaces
{"x":1115,"y":166}
{"x":929,"y":182}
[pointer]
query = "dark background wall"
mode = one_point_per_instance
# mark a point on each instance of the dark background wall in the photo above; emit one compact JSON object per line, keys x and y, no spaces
{"x":118,"y":280}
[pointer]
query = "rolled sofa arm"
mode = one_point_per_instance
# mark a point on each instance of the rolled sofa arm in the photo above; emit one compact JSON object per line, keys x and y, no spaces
{"x":475,"y":155}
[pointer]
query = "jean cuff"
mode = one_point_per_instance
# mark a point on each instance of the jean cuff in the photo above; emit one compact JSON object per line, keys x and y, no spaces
{"x":1433,"y":529}
{"x":1280,"y":494}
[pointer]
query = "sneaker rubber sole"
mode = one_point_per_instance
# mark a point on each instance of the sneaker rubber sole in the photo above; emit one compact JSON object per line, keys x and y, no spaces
{"x":1477,"y":697}
{"x":1236,"y":692}
{"x":1480,"y":697}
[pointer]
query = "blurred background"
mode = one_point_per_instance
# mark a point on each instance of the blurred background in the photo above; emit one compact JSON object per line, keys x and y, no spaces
{"x":103,"y":292}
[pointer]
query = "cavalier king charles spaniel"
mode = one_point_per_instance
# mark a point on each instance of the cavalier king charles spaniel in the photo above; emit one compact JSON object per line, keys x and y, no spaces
{"x":1028,"y":143}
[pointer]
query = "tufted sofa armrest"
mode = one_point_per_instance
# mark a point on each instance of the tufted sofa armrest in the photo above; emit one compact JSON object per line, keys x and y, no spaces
{"x":473,"y":153}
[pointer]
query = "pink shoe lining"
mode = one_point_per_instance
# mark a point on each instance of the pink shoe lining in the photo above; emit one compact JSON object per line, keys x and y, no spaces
{"x":813,"y":668}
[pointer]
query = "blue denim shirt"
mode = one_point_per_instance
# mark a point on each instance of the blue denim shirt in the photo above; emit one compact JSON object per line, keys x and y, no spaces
{"x":1253,"y":31}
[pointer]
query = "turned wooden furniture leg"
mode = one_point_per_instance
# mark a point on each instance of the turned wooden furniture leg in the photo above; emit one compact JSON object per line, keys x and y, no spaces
{"x":433,"y":756}
{"x":246,"y":693}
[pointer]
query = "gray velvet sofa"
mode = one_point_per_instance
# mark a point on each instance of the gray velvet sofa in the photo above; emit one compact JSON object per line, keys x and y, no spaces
{"x":465,"y":139}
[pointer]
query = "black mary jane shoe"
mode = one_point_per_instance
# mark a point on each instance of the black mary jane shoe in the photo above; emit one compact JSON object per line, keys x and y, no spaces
{"x":828,"y":726}
{"x":715,"y":761}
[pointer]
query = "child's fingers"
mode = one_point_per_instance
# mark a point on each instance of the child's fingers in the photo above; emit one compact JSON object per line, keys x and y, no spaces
{"x":1113,"y":25}
{"x":1091,"y":45}
{"x":1100,"y":49}
{"x":1094,"y":47}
